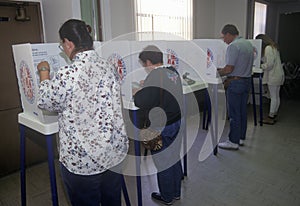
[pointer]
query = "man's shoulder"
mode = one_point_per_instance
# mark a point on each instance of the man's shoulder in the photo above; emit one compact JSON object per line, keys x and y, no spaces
{"x":240,"y":43}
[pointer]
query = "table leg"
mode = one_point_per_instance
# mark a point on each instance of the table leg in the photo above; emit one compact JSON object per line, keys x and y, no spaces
{"x":260,"y":100}
{"x":253,"y":101}
{"x":137,"y":150}
{"x":184,"y":137}
{"x":125,"y":192}
{"x":214,"y":124}
{"x":52,"y":170}
{"x":206,"y":111}
{"x":22,"y":165}
{"x":215,"y":143}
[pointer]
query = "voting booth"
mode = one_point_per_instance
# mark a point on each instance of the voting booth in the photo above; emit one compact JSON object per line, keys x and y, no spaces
{"x":196,"y":61}
{"x":26,"y":57}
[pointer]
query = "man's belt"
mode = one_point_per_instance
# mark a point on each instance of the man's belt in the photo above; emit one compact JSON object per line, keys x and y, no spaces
{"x":236,"y":77}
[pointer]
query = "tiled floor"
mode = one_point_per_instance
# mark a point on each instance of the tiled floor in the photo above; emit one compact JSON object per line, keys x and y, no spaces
{"x":266,"y":171}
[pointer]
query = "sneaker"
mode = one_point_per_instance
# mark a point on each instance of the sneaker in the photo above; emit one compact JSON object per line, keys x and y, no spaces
{"x":242,"y":142}
{"x":228,"y":145}
{"x":157,"y":196}
{"x":269,"y":120}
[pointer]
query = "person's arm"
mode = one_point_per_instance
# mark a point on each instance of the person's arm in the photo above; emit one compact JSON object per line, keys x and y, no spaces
{"x":52,"y":93}
{"x":270,"y":56}
{"x":226,"y":70}
{"x":231,"y":57}
{"x":148,"y":96}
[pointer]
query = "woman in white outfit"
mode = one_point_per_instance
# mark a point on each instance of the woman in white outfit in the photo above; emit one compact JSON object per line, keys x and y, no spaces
{"x":273,"y":74}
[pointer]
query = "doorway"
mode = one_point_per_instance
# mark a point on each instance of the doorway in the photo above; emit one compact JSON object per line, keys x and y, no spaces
{"x":91,"y":14}
{"x":288,"y":37}
{"x":20,"y":22}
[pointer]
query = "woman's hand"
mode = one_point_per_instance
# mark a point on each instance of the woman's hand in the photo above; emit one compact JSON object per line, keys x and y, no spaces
{"x":135,"y":90}
{"x":44,"y":70}
{"x":142,"y":83}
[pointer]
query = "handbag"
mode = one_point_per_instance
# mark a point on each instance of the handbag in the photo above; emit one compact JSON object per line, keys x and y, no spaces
{"x":151,"y":139}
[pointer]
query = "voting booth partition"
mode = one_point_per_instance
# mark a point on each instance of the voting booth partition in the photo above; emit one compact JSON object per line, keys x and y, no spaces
{"x":26,"y":57}
{"x":196,"y":61}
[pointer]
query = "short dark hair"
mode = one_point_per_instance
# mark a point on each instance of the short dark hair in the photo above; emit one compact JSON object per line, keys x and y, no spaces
{"x":231,"y":29}
{"x":77,"y":32}
{"x":151,"y":53}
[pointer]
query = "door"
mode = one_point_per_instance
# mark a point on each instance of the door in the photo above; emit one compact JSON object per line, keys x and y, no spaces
{"x":288,"y":37}
{"x":27,"y":29}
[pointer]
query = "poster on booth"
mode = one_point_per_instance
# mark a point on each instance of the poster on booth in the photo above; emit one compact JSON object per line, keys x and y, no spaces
{"x":117,"y":53}
{"x":26,"y":57}
{"x":179,"y":55}
{"x":214,"y":50}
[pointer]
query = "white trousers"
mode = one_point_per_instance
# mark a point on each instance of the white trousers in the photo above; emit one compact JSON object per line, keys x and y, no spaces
{"x":275,"y":99}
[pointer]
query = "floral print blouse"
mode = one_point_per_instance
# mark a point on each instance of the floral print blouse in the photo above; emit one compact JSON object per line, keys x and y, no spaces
{"x":86,"y":95}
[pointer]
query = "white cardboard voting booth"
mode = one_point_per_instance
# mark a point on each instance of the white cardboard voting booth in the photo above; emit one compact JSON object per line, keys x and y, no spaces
{"x":26,"y":57}
{"x":198,"y":59}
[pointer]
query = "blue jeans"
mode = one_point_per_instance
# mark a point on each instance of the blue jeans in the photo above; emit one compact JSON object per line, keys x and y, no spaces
{"x":91,"y":190}
{"x":237,"y":97}
{"x":169,"y":180}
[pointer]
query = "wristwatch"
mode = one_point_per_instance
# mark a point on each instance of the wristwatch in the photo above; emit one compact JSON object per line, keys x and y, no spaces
{"x":44,"y":69}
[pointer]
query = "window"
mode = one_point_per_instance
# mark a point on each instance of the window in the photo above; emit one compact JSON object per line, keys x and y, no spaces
{"x":167,"y":16}
{"x":260,"y":16}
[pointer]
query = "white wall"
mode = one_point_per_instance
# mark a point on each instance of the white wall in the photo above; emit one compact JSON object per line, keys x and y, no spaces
{"x":122,"y":17}
{"x":117,"y":18}
{"x":210,"y":17}
{"x":204,"y":19}
{"x":230,"y":11}
{"x":56,"y":12}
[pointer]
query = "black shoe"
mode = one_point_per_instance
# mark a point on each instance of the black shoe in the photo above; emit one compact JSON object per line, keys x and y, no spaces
{"x":269,"y":120}
{"x":157,"y":196}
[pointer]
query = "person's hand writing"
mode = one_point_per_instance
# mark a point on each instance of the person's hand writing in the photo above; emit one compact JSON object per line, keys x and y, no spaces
{"x":142,"y":83}
{"x":44,"y":70}
{"x":135,"y":90}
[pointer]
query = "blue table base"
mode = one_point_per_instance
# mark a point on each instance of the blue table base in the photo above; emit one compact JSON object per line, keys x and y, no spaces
{"x":51,"y":170}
